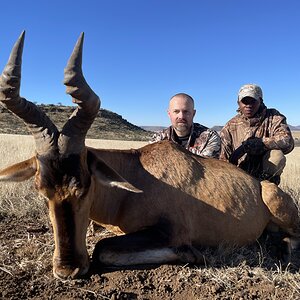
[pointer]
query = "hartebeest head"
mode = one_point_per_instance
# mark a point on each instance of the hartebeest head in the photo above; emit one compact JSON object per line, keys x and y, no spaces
{"x":178,"y":188}
{"x":62,"y":166}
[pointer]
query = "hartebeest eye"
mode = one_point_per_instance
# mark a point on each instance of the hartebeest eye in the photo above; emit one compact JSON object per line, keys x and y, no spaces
{"x":187,"y":202}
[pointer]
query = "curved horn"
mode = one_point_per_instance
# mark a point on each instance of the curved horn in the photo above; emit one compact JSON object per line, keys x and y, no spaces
{"x":74,"y":131}
{"x":43,"y":130}
{"x":10,"y":79}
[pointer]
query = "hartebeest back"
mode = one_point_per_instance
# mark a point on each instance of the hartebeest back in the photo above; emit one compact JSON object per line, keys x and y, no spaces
{"x":165,"y":200}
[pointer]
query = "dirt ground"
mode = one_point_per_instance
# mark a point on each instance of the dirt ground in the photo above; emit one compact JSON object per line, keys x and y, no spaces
{"x":26,"y":272}
{"x":27,"y":246}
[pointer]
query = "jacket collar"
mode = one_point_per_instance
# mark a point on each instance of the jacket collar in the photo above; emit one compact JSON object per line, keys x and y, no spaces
{"x":173,"y":136}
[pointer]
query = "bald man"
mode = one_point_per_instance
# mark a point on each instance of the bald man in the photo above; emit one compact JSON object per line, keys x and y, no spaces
{"x":196,"y":138}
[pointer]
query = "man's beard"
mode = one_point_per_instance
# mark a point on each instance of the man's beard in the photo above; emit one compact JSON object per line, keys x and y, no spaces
{"x":182,"y":127}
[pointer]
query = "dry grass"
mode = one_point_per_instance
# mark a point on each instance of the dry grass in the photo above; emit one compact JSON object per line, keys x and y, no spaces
{"x":296,"y":136}
{"x":290,"y":179}
{"x":18,"y":198}
{"x":225,"y":267}
{"x":21,"y":198}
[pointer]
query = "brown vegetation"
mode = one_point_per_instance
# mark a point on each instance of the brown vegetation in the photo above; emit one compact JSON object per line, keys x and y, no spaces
{"x":296,"y":136}
{"x":22,"y":278}
{"x":27,"y":247}
{"x":107,"y":125}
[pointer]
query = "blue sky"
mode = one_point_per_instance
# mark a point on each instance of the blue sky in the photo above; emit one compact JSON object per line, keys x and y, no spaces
{"x":138,"y":53}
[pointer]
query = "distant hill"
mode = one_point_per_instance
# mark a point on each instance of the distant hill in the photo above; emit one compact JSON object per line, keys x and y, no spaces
{"x":153,"y":128}
{"x":217,"y":128}
{"x":159,"y":128}
{"x":107,"y":125}
{"x":294,"y":128}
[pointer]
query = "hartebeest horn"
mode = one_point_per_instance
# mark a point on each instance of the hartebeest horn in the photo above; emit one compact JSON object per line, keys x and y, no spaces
{"x":43,"y":130}
{"x":74,"y":131}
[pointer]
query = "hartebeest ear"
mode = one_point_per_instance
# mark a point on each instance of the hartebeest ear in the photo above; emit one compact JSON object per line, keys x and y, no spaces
{"x":20,"y":171}
{"x":108,"y":176}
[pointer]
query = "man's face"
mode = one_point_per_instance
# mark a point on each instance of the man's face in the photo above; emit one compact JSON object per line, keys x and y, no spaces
{"x":181,"y":112}
{"x":249,"y":106}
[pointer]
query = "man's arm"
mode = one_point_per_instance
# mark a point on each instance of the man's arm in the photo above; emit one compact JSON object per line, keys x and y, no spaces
{"x":226,"y":144}
{"x":159,"y":136}
{"x":281,"y":137}
{"x":213,"y":145}
{"x":156,"y":137}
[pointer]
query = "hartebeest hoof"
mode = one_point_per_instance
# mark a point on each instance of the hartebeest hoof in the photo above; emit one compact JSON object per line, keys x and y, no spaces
{"x":186,"y":200}
{"x":69,"y":272}
{"x":189,"y":254}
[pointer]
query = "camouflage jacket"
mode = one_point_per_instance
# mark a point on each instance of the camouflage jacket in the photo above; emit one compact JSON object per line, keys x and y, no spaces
{"x":202,"y":141}
{"x":268,"y":124}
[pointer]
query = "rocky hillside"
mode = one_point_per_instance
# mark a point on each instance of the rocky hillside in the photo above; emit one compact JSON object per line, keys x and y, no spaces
{"x":107,"y":125}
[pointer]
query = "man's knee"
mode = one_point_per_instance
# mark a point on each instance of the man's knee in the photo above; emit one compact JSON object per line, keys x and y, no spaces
{"x":274,"y":162}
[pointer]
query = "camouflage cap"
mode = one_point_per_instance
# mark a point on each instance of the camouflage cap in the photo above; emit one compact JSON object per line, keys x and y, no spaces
{"x":250,"y":90}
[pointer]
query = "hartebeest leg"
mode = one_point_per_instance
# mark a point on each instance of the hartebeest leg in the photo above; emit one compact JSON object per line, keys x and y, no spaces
{"x":283,"y":232}
{"x":282,"y":207}
{"x":144,"y":247}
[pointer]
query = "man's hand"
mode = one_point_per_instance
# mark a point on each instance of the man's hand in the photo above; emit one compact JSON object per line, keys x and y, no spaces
{"x":236,"y":155}
{"x":254,"y":146}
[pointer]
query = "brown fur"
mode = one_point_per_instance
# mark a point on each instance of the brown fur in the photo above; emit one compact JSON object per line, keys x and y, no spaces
{"x":190,"y":200}
{"x":167,"y":201}
{"x":206,"y":200}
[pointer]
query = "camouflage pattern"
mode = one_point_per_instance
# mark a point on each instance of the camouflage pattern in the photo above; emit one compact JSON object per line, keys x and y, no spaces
{"x":250,"y":90}
{"x":202,"y":141}
{"x":268,"y":125}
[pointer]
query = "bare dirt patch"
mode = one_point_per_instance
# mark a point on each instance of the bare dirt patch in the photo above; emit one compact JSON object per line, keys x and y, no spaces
{"x":26,"y":243}
{"x":242,"y":273}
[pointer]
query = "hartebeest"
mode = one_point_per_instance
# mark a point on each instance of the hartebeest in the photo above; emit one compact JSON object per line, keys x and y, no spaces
{"x":166,"y":200}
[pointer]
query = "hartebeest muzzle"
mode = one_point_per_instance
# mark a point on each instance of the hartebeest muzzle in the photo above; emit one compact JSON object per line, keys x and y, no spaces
{"x":60,"y":164}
